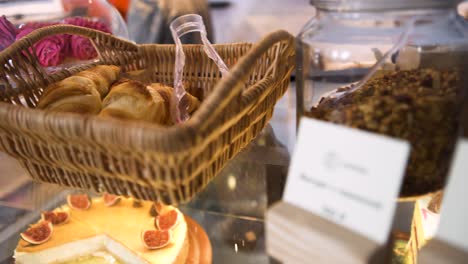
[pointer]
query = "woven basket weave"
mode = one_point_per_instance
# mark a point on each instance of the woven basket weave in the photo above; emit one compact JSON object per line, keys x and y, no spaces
{"x":139,"y":159}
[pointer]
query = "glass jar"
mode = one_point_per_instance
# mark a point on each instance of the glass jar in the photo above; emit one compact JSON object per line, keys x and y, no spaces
{"x":416,"y":90}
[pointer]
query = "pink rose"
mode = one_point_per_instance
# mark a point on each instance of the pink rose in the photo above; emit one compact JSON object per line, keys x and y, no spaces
{"x":27,"y":28}
{"x":86,"y":22}
{"x":50,"y":51}
{"x":36,"y":25}
{"x":81,"y":47}
{"x":23,"y":32}
{"x":7,"y":33}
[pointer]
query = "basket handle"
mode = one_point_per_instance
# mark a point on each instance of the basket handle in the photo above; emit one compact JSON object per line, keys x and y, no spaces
{"x":227,"y":92}
{"x":99,"y":39}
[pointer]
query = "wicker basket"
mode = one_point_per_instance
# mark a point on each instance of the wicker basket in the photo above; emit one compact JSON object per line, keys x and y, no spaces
{"x":138,"y":159}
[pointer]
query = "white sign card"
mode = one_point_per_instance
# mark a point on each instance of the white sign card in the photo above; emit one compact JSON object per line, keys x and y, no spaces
{"x":454,"y":210}
{"x":347,"y":176}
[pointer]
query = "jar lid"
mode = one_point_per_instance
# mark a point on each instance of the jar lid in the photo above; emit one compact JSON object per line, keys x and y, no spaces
{"x":381,"y":5}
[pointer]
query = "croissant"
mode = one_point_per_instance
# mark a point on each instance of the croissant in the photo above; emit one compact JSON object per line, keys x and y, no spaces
{"x":166,"y":92}
{"x":103,"y":76}
{"x":80,"y":93}
{"x":129,"y":99}
{"x":143,"y":76}
{"x":74,"y":94}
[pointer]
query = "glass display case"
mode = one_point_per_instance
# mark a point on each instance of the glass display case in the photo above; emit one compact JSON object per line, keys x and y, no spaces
{"x":335,"y":50}
{"x":231,"y":209}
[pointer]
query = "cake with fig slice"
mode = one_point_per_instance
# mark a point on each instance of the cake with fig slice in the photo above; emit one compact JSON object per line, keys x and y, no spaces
{"x":113,"y":229}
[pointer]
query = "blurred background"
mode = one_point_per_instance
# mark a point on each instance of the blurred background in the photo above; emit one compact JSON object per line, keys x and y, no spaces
{"x":148,"y":20}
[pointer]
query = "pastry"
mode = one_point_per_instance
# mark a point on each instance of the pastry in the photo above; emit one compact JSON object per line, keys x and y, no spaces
{"x":97,"y":91}
{"x":114,"y":227}
{"x":74,"y":94}
{"x":189,"y":101}
{"x":80,"y":93}
{"x":103,"y":76}
{"x":130,"y":99}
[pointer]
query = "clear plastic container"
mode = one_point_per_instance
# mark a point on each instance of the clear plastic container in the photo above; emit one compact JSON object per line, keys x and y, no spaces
{"x":94,"y":10}
{"x":98,"y":10}
{"x":67,"y":50}
{"x":394,"y":67}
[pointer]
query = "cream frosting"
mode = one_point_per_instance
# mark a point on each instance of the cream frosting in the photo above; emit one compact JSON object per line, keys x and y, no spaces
{"x":116,"y":229}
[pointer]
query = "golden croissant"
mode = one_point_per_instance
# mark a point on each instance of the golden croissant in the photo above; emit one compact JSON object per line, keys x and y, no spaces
{"x":124,"y":99}
{"x":190,"y":101}
{"x":103,"y":76}
{"x":129,"y":99}
{"x":80,"y":93}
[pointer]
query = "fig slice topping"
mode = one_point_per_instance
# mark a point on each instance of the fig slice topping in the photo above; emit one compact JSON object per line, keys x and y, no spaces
{"x":154,"y":239}
{"x":79,"y":201}
{"x":169,"y":220}
{"x":55,"y":217}
{"x":38,"y":233}
{"x":110,"y":199}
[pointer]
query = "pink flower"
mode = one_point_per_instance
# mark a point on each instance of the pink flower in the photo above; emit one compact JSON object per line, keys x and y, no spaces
{"x":81,"y":47}
{"x":50,"y":51}
{"x":7,"y":33}
{"x":36,"y":25}
{"x":89,"y":23}
{"x":23,"y":32}
{"x":27,"y":28}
